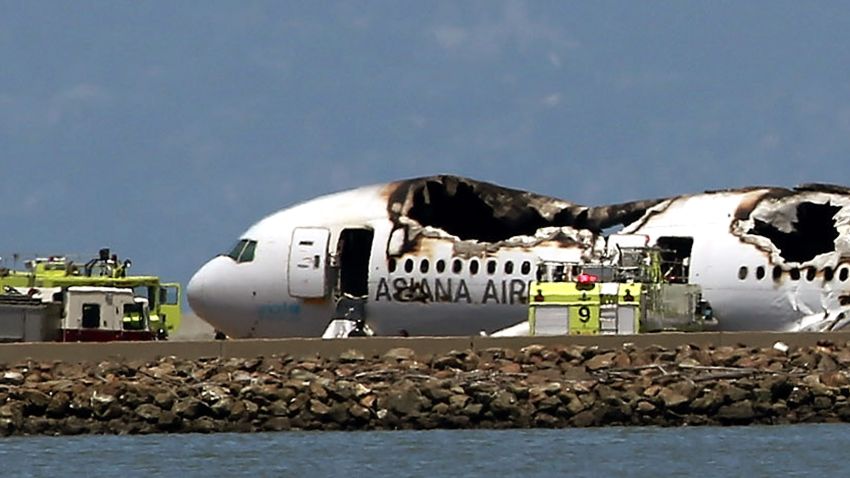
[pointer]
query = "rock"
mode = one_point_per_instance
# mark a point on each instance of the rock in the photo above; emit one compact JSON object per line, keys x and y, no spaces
{"x":738,"y":412}
{"x":584,"y":419}
{"x":13,"y":411}
{"x":361,"y":390}
{"x":351,"y":356}
{"x":359,"y":412}
{"x":734,"y":394}
{"x":36,"y":402}
{"x":278,"y":409}
{"x":844,"y":413}
{"x":472,"y":410}
{"x":434,"y":390}
{"x":318,"y":408}
{"x":672,"y":400}
{"x":645,"y":407}
{"x":191,"y":408}
{"x":223,"y":407}
{"x":821,"y":403}
{"x":110,"y":411}
{"x":710,"y":401}
{"x":405,"y":401}
{"x":164,"y":400}
{"x":799,"y":396}
{"x":510,"y":368}
{"x":338,"y":413}
{"x":601,"y":361}
{"x":574,"y":405}
{"x":535,"y":350}
{"x":504,"y":404}
{"x":545,"y":420}
{"x":12,"y":378}
{"x":447,"y":362}
{"x":368,"y":401}
{"x":59,"y":405}
{"x":834,"y":379}
{"x":780,"y":386}
{"x":318,"y":391}
{"x":148,"y":412}
{"x":457,"y":402}
{"x":399,"y":354}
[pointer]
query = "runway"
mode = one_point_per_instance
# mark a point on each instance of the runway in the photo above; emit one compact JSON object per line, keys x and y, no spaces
{"x":304,"y":347}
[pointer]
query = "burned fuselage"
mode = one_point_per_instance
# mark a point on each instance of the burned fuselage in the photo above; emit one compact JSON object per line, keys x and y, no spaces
{"x":446,"y":255}
{"x":788,"y":247}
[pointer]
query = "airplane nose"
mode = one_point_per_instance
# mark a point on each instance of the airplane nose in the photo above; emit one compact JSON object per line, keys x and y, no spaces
{"x":195,"y":292}
{"x":214,"y":299}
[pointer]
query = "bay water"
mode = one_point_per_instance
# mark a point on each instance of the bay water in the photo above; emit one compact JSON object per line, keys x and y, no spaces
{"x":794,"y":450}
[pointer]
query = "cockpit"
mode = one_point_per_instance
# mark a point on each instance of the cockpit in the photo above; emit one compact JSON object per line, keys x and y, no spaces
{"x":243,"y":251}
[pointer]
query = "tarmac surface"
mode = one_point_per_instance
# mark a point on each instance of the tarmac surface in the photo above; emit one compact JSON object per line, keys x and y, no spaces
{"x":195,"y":340}
{"x":193,"y":329}
{"x":371,"y":346}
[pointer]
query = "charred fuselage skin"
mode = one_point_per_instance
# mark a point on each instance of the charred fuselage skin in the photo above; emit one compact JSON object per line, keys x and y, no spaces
{"x":452,"y":255}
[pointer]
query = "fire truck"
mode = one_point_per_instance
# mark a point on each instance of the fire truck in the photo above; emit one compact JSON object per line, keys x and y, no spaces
{"x":75,"y":314}
{"x":105,"y":270}
{"x":625,"y":292}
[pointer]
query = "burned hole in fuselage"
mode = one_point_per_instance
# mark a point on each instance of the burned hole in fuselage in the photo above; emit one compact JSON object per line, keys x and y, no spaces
{"x":812,"y":233}
{"x":463,"y":212}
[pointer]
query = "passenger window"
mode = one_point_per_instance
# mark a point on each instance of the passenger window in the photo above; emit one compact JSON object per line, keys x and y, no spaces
{"x":457,"y":266}
{"x":742,"y":273}
{"x":441,"y":266}
{"x":391,"y":265}
{"x":811,"y":273}
{"x":828,"y":274}
{"x":760,"y":272}
{"x":777,"y":272}
{"x":509,"y":267}
{"x":526,"y":268}
{"x":408,"y":265}
{"x":842,"y":274}
{"x":491,"y":267}
{"x":473,"y":266}
{"x":423,"y":266}
{"x":795,"y":274}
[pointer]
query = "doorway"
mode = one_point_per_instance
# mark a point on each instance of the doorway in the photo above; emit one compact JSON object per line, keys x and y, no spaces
{"x":355,"y":247}
{"x":675,"y":258}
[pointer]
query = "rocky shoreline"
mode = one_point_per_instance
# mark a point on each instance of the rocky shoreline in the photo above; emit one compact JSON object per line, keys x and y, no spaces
{"x":537,"y":386}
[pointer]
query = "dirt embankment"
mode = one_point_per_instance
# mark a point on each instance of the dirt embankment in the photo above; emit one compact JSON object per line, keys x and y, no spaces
{"x":536,"y":386}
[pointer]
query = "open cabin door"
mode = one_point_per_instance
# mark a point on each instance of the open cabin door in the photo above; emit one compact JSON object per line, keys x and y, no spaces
{"x":355,"y":247}
{"x":308,"y":255}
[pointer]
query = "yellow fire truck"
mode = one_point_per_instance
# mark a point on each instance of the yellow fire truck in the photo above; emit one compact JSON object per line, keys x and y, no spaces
{"x":626,"y":294}
{"x":106,"y":270}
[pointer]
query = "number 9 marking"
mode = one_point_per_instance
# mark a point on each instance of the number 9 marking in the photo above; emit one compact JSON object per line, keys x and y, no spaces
{"x":584,"y":314}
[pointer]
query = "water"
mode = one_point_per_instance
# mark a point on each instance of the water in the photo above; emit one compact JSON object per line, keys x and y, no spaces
{"x":794,"y":450}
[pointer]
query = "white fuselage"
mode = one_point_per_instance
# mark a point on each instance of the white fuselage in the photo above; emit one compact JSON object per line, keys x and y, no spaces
{"x":445,"y":286}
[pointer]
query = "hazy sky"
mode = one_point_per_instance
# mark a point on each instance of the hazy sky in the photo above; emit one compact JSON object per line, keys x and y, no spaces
{"x":165,"y":129}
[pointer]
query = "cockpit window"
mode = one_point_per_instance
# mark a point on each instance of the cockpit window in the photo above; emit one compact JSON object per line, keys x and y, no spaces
{"x":237,"y":249}
{"x":248,"y":252}
{"x":243,"y":251}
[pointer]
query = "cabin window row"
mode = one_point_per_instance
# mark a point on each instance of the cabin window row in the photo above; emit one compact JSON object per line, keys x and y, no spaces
{"x":458,"y":266}
{"x":809,"y":273}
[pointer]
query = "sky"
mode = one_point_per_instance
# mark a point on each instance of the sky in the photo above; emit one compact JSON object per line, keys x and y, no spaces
{"x":163,"y":130}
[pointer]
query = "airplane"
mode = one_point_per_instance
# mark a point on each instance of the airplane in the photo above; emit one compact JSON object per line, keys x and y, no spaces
{"x":448,"y":255}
